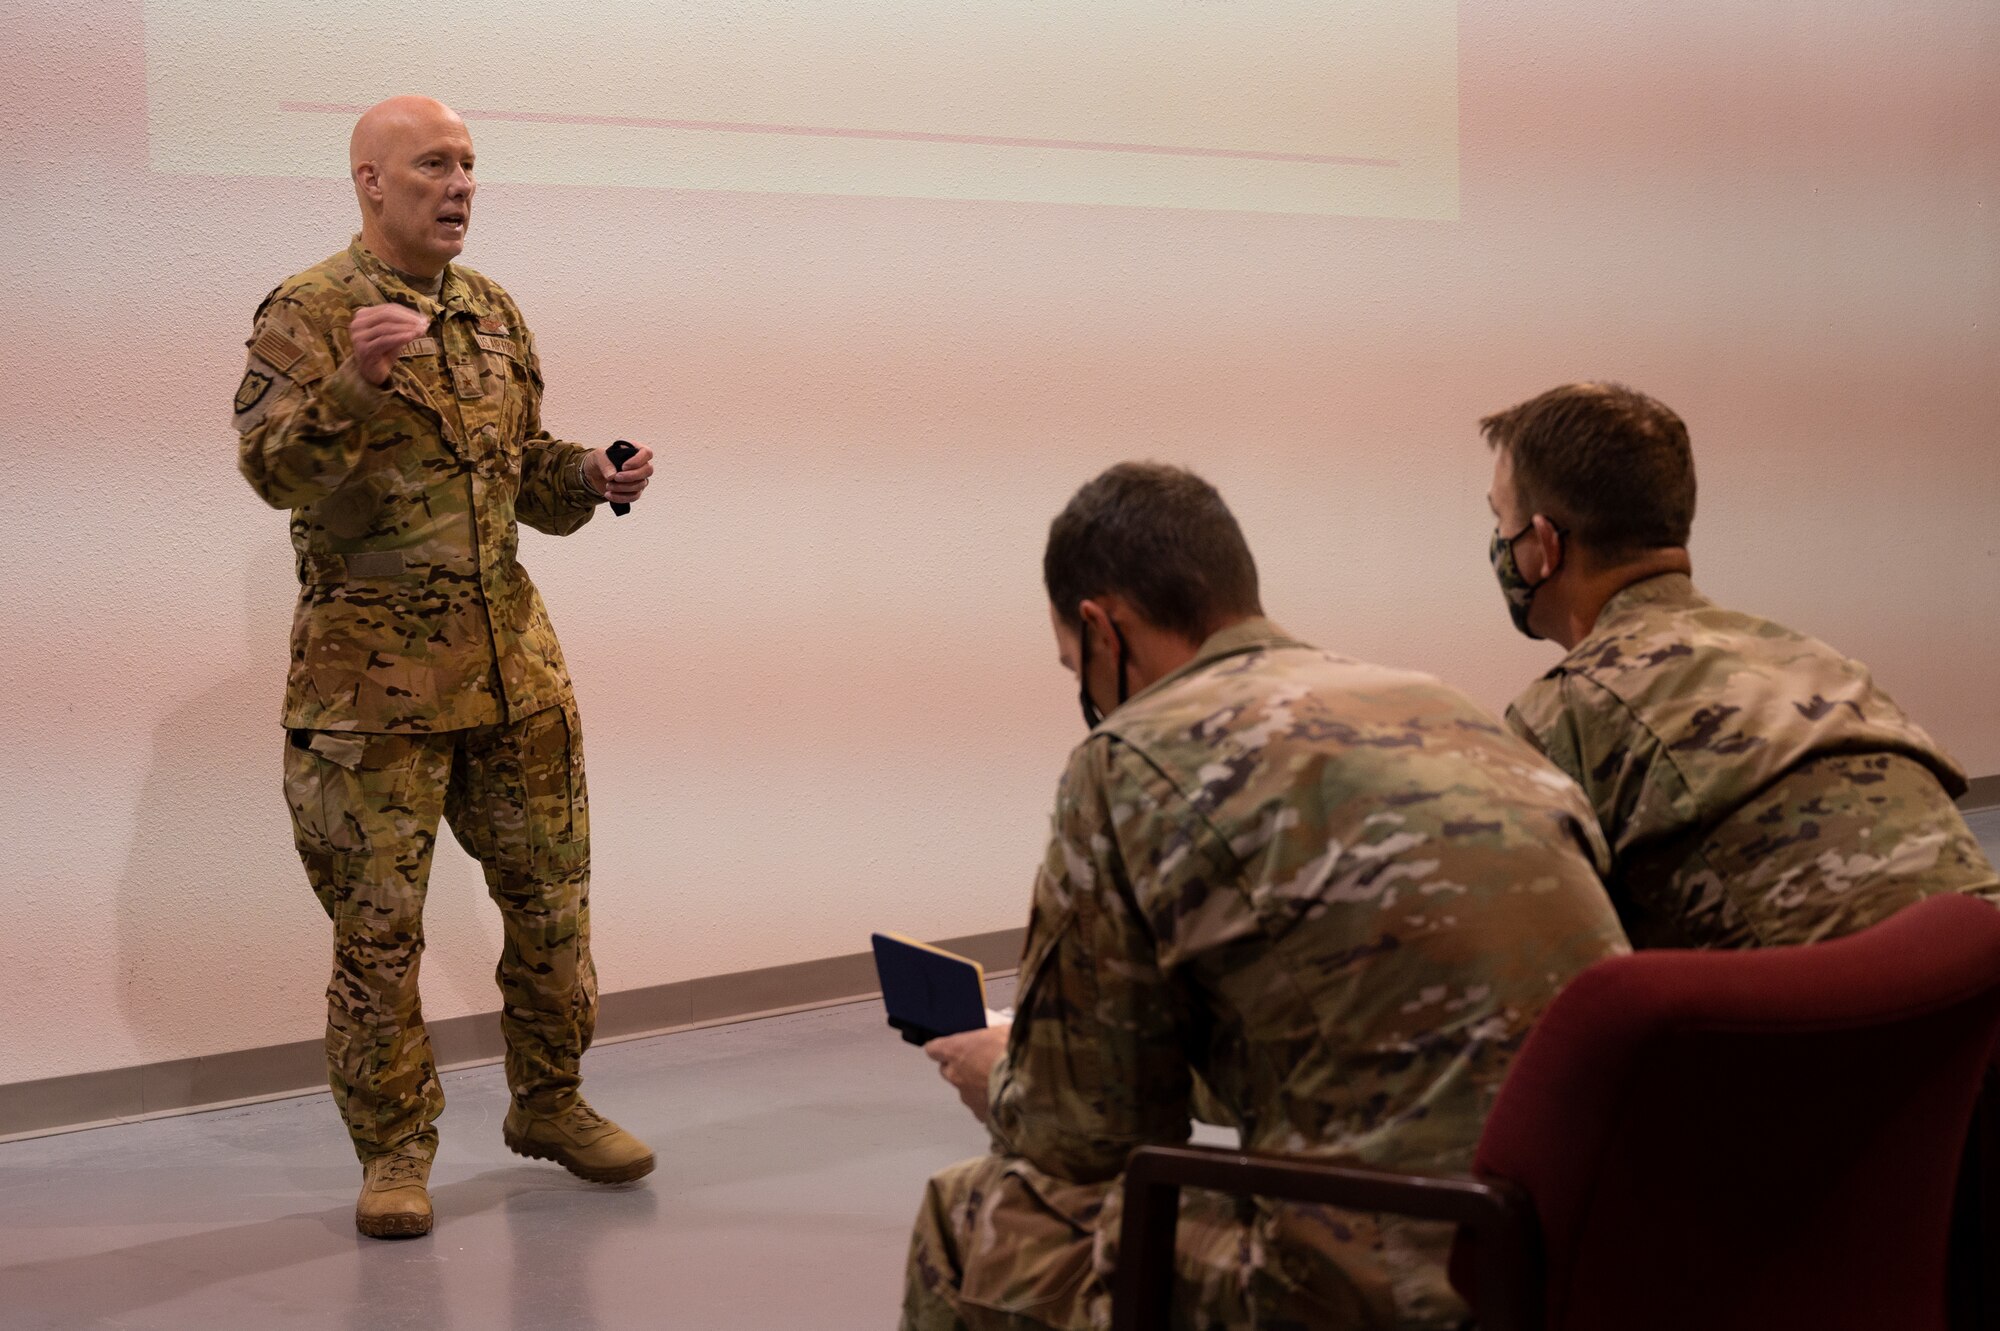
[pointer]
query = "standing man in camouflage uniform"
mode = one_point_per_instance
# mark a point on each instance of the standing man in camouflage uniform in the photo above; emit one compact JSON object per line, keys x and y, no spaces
{"x":393,"y":404}
{"x":1755,"y":786}
{"x":1336,"y":893}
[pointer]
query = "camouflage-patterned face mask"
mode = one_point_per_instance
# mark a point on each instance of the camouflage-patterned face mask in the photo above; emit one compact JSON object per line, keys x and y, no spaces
{"x":1520,"y":593}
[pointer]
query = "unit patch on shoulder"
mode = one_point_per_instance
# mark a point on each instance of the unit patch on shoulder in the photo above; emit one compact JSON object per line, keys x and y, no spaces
{"x":251,"y":391}
{"x":276,"y":350}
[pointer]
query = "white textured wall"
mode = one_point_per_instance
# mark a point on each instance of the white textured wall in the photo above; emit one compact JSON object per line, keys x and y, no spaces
{"x":814,"y":668}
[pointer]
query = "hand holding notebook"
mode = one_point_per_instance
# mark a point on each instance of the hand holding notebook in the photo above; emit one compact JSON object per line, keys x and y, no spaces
{"x":937,"y":999}
{"x":929,"y":992}
{"x":966,"y":1062}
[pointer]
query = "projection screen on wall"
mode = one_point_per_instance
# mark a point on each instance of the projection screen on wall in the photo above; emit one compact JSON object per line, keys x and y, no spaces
{"x":1282,"y":106}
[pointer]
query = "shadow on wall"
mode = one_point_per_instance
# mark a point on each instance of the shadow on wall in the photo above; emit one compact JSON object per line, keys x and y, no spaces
{"x":221,"y":944}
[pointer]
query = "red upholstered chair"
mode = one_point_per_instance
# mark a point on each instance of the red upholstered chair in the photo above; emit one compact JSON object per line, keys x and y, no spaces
{"x":1695,"y":1141}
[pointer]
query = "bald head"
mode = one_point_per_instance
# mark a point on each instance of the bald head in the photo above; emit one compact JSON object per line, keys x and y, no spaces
{"x":411,"y":160}
{"x":386,"y":124}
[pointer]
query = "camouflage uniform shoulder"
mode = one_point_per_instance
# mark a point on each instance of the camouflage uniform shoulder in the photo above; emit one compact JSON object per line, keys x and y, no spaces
{"x":1545,"y":715}
{"x":292,"y":332}
{"x":1233,"y":732}
{"x":332,"y":285}
{"x":1674,"y":712}
{"x":1537,"y":711}
{"x":1663,"y":629}
{"x":1663,"y":649}
{"x":1645,"y":629}
{"x":1206,"y":700}
{"x":1659,"y":648}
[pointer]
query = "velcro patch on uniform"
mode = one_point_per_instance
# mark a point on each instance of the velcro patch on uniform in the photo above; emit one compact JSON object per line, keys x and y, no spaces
{"x":467,"y":379}
{"x":276,"y":350}
{"x":375,"y":564}
{"x":251,"y":391}
{"x":262,"y":389}
{"x":497,"y":327}
{"x":496,"y":342}
{"x":420,"y":346}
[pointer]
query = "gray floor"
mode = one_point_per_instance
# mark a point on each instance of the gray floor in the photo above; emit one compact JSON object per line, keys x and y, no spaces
{"x":792,"y":1151}
{"x":1985,"y":825}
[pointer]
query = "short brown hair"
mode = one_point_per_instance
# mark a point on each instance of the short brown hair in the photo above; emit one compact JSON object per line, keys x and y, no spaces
{"x":1606,"y":463}
{"x":1160,"y":537}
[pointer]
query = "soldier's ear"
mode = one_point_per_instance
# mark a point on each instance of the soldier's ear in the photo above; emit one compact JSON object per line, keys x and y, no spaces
{"x":1096,"y":625}
{"x":1553,"y":546}
{"x":368,"y":180}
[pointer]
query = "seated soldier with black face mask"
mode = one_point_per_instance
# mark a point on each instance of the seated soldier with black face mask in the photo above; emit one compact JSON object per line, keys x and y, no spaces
{"x":1337,"y":894}
{"x":1755,"y":785}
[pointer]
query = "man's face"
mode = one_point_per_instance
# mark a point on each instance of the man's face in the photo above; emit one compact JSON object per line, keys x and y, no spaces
{"x":1511,"y":517}
{"x":424,"y":179}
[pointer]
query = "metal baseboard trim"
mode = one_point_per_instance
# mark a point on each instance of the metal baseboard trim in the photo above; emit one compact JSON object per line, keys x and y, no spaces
{"x":287,"y":1071}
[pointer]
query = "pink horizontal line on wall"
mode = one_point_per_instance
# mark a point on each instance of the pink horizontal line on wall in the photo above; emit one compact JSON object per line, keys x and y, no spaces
{"x":896,"y":135}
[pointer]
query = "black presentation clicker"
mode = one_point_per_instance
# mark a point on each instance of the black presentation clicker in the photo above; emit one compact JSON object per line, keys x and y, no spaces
{"x":618,"y":455}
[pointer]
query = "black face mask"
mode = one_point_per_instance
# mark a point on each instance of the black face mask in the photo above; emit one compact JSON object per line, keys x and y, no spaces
{"x":1091,"y":715}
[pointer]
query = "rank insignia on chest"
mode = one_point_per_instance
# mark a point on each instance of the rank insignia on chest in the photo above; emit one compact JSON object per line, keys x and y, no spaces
{"x":465,"y":378}
{"x":251,"y":391}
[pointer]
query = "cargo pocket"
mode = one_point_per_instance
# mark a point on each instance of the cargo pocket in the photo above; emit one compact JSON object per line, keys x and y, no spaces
{"x":1046,"y":927}
{"x":1055,"y":980}
{"x":323,"y":790}
{"x":554,"y":812}
{"x":579,"y":797}
{"x":348,"y":792}
{"x":1032,"y":1250}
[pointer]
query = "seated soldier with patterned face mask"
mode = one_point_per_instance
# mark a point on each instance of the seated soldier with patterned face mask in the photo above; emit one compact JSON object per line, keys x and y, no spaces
{"x":1337,"y":894}
{"x":1755,"y":786}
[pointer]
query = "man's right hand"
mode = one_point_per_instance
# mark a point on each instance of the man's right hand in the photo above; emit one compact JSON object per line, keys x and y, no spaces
{"x":379,"y":334}
{"x":966,"y":1060}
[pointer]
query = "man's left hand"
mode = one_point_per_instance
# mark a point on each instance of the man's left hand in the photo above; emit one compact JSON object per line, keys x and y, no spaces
{"x":966,"y":1061}
{"x":620,"y":487}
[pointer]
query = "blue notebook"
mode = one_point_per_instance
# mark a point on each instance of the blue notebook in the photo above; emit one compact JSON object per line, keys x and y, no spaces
{"x":929,"y":992}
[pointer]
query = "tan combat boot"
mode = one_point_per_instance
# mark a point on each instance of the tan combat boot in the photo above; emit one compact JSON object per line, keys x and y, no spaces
{"x":395,"y":1197}
{"x":579,"y":1139}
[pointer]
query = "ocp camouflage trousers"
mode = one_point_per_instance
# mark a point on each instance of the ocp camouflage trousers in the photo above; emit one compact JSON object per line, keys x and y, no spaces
{"x":1000,"y":1246}
{"x":365,"y":811}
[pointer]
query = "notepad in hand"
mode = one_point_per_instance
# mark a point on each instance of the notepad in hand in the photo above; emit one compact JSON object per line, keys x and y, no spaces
{"x":929,"y":992}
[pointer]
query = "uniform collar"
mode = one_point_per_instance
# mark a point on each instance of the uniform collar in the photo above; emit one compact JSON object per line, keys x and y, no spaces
{"x":1249,"y":635}
{"x":1662,"y":591}
{"x":1669,"y":590}
{"x":456,"y":294}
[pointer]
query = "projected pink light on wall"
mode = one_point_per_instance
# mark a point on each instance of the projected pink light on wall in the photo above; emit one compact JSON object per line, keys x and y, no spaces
{"x":888,"y":135}
{"x":816,"y":675}
{"x":1258,"y":106}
